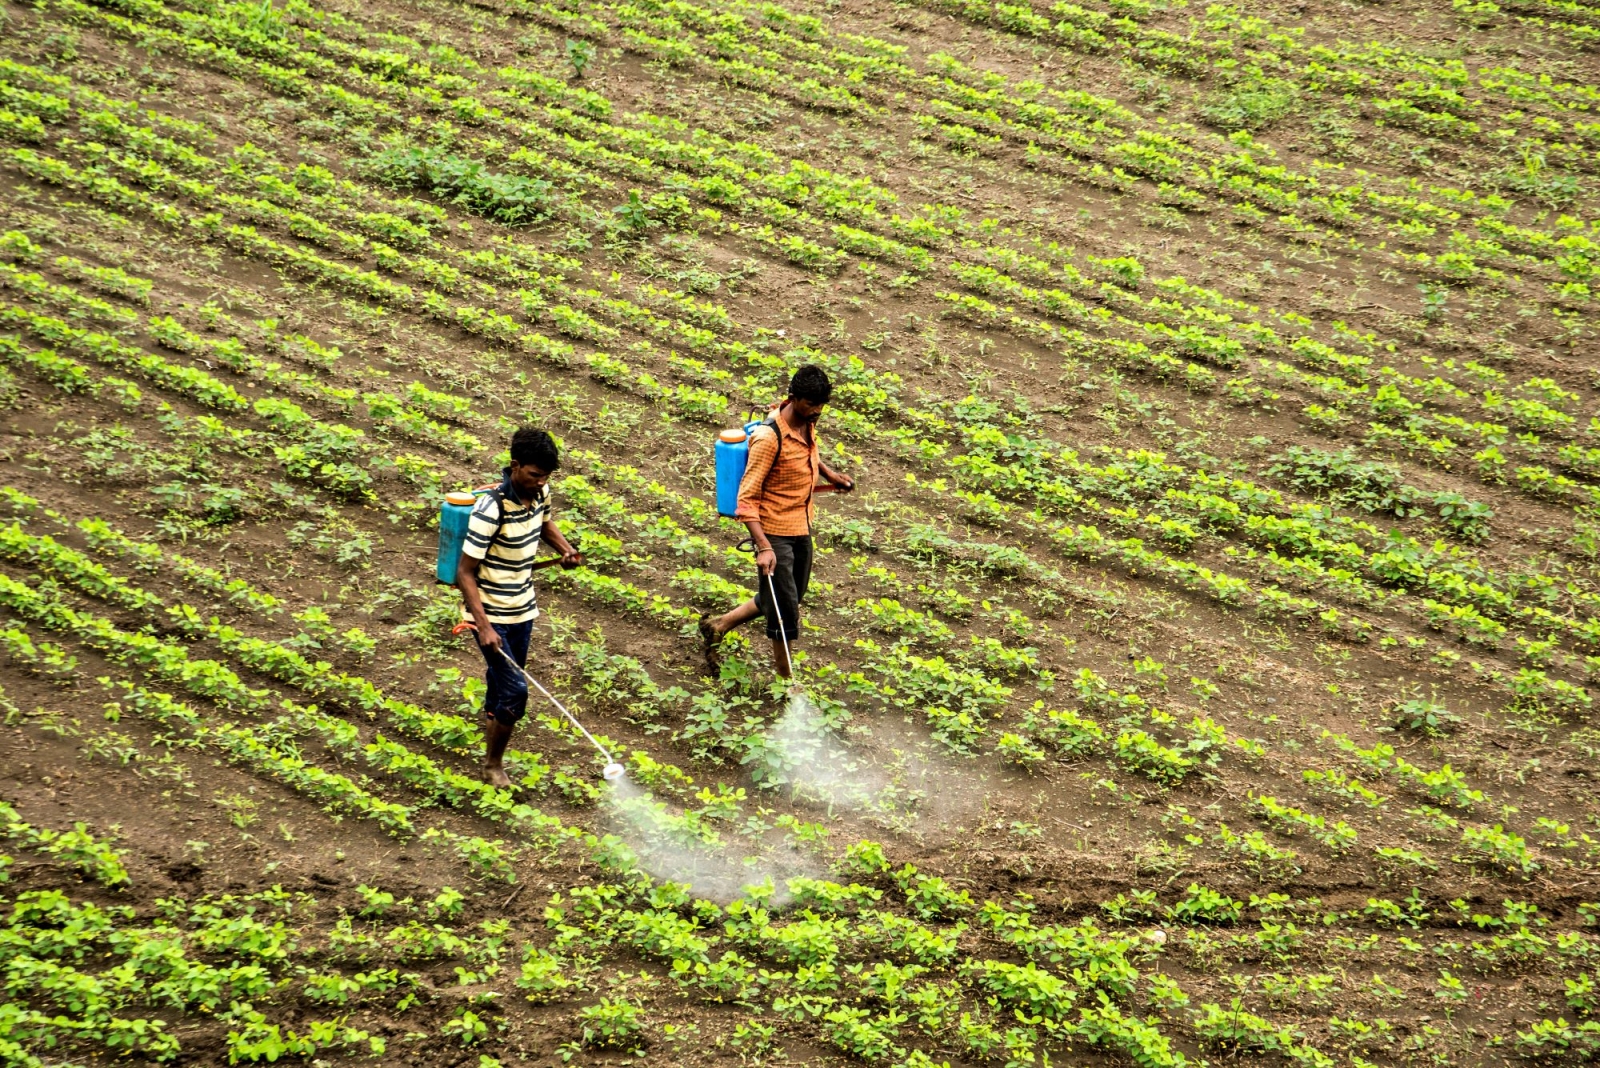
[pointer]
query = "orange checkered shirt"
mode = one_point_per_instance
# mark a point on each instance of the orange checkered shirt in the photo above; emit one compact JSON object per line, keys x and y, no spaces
{"x":780,"y":496}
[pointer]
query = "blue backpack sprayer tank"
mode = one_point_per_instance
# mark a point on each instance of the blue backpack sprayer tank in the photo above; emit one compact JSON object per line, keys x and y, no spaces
{"x":733,"y":455}
{"x":454,"y":515}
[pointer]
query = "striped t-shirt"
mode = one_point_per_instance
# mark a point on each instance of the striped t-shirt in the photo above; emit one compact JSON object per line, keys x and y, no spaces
{"x":505,"y":576}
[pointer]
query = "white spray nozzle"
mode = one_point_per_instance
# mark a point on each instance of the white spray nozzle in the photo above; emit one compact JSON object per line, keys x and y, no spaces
{"x":613,"y":772}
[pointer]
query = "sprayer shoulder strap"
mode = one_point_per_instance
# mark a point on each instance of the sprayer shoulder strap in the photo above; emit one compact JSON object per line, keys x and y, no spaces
{"x":771,"y":423}
{"x":499,"y":499}
{"x":500,"y":506}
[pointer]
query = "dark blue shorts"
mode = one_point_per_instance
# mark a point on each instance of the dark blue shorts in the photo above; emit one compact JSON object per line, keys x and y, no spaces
{"x":506,"y":699}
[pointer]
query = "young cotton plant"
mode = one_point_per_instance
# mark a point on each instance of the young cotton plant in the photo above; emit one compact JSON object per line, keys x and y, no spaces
{"x":1019,"y":749}
{"x":1136,"y":749}
{"x":546,"y":977}
{"x":1258,"y":854}
{"x":1338,"y":836}
{"x":1201,"y":904}
{"x":94,"y":857}
{"x":930,"y":896}
{"x":1500,"y":848}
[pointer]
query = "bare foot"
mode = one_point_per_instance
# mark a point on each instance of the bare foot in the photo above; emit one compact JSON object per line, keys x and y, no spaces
{"x":710,"y":637}
{"x":496,"y":776}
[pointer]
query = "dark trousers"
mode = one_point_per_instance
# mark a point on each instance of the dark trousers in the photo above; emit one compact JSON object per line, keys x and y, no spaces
{"x":506,"y":699}
{"x":791,"y":578}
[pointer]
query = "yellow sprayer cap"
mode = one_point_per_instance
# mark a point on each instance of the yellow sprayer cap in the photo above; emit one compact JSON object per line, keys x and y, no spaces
{"x":733,"y":435}
{"x":461,"y":497}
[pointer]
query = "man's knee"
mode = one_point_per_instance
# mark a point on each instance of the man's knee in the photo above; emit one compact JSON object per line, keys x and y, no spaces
{"x":505,"y":686}
{"x":509,"y":701}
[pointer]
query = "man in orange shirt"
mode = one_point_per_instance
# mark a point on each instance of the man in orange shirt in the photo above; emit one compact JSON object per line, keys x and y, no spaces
{"x":775,"y":504}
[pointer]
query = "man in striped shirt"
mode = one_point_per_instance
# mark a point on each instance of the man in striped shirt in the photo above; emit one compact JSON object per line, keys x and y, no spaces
{"x":775,"y":505}
{"x":496,"y":580}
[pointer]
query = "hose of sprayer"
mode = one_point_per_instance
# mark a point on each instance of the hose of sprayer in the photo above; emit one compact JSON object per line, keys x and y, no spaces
{"x":563,"y":708}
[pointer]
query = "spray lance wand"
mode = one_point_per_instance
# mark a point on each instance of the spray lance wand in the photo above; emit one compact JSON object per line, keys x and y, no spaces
{"x":783,"y":632}
{"x":748,"y":545}
{"x":613,"y":771}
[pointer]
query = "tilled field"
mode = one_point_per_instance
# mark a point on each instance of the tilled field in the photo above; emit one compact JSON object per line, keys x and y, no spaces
{"x":1200,"y":671}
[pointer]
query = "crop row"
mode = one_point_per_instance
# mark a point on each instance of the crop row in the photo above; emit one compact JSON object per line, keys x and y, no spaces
{"x":1216,"y":337}
{"x":1524,"y":403}
{"x":215,"y":681}
{"x":963,"y":94}
{"x":1401,"y":422}
{"x":95,"y":857}
{"x":927,"y":682}
{"x":259,"y":747}
{"x":1543,"y":411}
{"x":1428,"y":96}
{"x":925,"y":418}
{"x":95,"y":964}
{"x":1068,"y":733}
{"x":930,"y":682}
{"x":933,"y":902}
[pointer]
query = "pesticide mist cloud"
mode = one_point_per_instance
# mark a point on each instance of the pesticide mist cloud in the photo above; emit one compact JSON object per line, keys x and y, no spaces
{"x":803,"y":753}
{"x":671,"y":843}
{"x":815,"y":764}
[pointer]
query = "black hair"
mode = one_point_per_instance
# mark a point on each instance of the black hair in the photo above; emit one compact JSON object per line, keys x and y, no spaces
{"x":531,"y":445}
{"x":810,"y":383}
